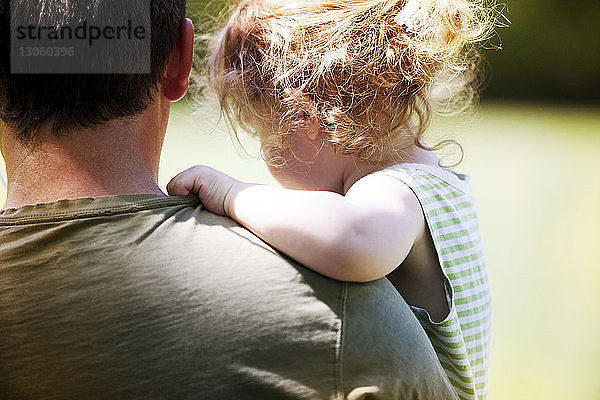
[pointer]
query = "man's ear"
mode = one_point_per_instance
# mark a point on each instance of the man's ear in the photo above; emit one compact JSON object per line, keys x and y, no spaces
{"x":303,"y":105}
{"x":178,"y":69}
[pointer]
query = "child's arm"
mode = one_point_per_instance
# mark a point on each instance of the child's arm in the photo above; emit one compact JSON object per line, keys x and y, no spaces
{"x":359,"y":237}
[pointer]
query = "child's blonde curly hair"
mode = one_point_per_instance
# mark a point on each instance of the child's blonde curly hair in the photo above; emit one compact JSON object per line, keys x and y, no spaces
{"x":367,"y":70}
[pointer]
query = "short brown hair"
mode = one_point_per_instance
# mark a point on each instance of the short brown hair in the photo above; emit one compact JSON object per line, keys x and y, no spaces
{"x":67,"y":101}
{"x":368,"y":66}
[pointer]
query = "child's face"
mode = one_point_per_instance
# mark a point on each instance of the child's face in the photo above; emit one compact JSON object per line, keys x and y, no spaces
{"x":310,"y":165}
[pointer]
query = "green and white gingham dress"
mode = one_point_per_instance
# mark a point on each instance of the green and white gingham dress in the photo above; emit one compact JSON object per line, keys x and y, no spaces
{"x":462,"y":340}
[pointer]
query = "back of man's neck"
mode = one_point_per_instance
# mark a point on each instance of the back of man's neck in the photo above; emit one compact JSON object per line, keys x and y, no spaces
{"x":22,"y":192}
{"x":103,"y":162}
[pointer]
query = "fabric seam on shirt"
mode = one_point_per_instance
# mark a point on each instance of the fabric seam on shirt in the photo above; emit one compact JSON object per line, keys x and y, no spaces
{"x":101,"y":211}
{"x":339,"y":346}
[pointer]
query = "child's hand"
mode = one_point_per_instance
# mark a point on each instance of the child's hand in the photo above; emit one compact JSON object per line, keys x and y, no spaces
{"x":215,"y":189}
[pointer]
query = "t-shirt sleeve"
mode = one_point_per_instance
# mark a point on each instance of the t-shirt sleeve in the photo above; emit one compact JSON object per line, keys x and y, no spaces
{"x":384,"y":352}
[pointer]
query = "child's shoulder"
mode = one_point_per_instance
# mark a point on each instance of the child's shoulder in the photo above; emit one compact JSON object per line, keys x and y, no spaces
{"x":421,"y":177}
{"x":379,"y":188}
{"x":414,"y":186}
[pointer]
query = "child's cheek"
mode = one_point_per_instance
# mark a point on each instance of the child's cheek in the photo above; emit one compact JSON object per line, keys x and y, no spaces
{"x":310,"y":165}
{"x":294,"y":174}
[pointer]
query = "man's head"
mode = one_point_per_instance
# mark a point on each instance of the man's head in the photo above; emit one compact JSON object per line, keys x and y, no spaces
{"x":64,"y":102}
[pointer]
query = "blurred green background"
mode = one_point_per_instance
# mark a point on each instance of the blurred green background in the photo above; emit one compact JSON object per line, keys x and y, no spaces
{"x":533,"y":151}
{"x":550,"y":52}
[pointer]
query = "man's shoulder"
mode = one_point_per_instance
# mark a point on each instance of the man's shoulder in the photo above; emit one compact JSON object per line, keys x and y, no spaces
{"x":166,"y":292}
{"x":172,"y":237}
{"x":160,"y":243}
{"x":163,"y":291}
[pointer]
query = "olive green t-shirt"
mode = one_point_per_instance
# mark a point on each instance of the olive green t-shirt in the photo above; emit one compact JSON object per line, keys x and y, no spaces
{"x":149,"y":297}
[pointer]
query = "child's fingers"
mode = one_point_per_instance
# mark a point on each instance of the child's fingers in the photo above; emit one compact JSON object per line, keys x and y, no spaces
{"x":183,"y":183}
{"x":176,"y":187}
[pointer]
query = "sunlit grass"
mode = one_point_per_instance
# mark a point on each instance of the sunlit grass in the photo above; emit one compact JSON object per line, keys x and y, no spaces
{"x":534,"y":172}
